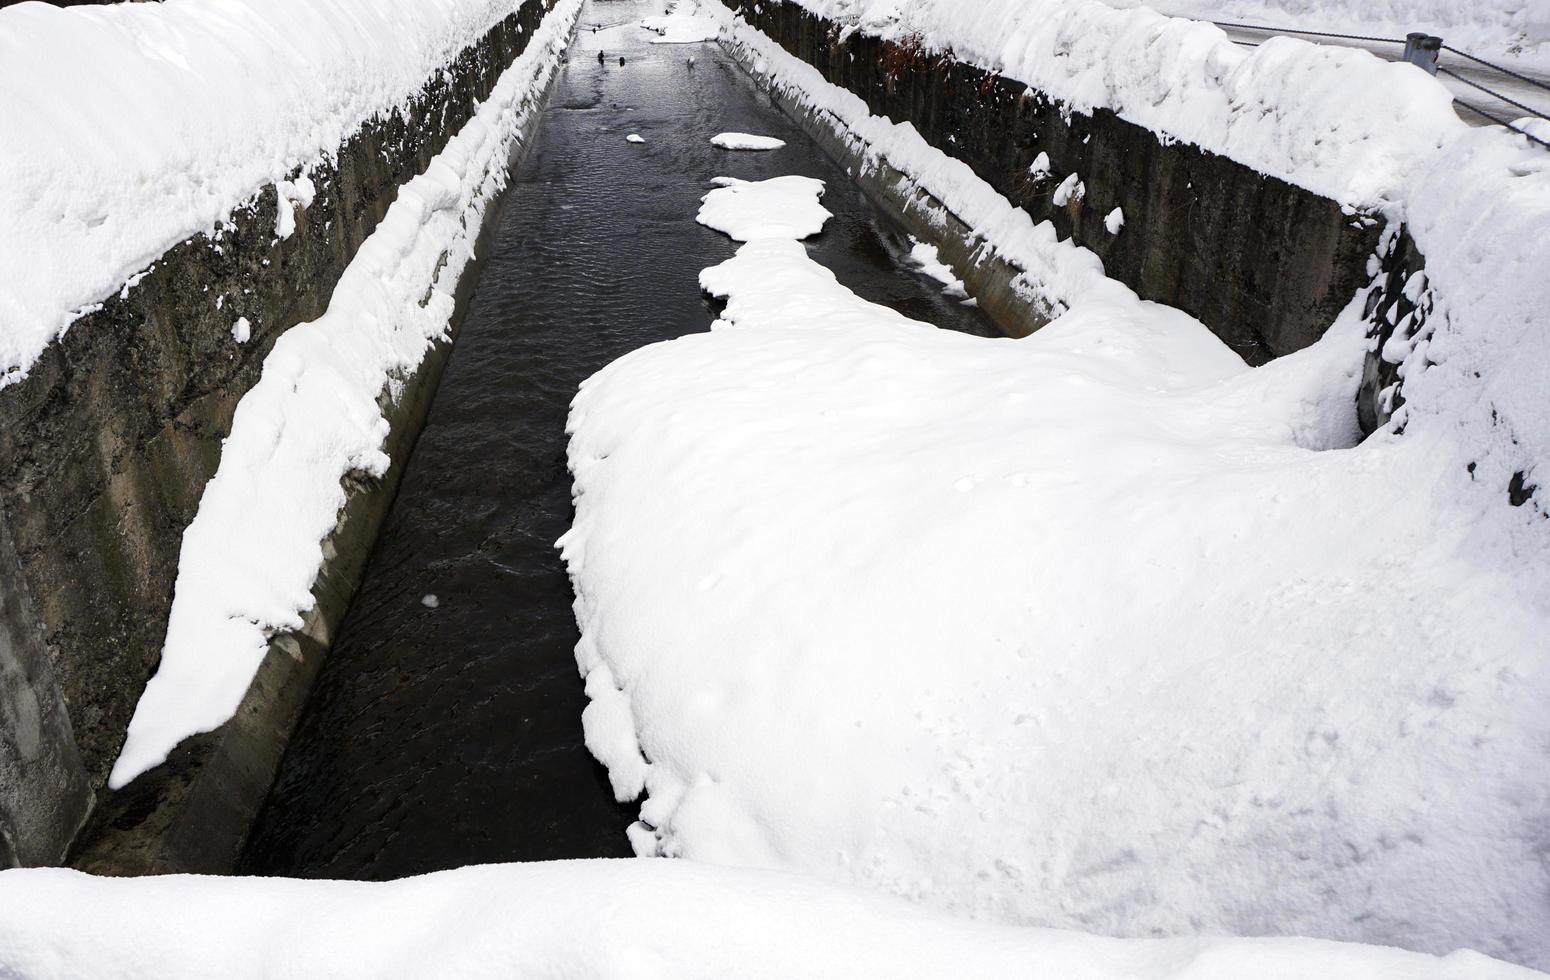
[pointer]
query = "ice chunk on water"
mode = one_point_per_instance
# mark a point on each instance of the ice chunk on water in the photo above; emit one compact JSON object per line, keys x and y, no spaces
{"x":746,"y":141}
{"x":781,"y":207}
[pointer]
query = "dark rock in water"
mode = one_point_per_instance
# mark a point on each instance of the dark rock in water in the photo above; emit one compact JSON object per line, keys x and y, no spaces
{"x":621,"y":61}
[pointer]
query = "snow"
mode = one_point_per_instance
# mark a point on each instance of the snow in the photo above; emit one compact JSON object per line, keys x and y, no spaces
{"x":598,"y":919}
{"x":253,"y":550}
{"x":146,"y":123}
{"x":635,"y":138}
{"x":1514,"y":31}
{"x":781,"y":207}
{"x":1089,"y":618}
{"x":745,"y":141}
{"x":682,"y":25}
{"x":292,"y":194}
{"x":1100,"y":629}
{"x":1114,"y":221}
{"x":1052,"y":270}
{"x":1070,"y":189}
{"x":923,"y":256}
{"x":430,"y":601}
{"x":1318,"y":116}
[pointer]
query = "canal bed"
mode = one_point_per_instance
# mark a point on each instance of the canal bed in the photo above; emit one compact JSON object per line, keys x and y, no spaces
{"x":446,"y":731}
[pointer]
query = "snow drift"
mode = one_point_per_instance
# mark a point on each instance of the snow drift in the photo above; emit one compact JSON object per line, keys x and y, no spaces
{"x":597,"y":919}
{"x":1099,"y":629}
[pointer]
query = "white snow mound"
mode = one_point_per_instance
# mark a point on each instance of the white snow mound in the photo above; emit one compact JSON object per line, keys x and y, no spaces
{"x":745,"y":141}
{"x":1099,"y":629}
{"x":781,"y":207}
{"x":647,"y":919}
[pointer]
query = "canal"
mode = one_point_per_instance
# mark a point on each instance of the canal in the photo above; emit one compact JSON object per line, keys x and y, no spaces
{"x":445,"y":728}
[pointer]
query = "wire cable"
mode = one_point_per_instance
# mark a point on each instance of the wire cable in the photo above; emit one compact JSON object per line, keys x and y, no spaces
{"x":1494,"y":67}
{"x":1493,"y":94}
{"x":1501,"y":122}
{"x":1293,"y":30}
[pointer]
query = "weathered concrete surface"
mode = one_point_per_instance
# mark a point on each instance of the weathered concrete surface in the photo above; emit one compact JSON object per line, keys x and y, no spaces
{"x":1265,"y":264}
{"x":106,"y":447}
{"x":43,"y":787}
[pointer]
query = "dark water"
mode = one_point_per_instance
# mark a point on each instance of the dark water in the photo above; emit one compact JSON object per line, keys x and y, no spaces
{"x":450,"y":736}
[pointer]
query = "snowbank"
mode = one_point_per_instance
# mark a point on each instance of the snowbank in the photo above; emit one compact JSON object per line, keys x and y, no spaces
{"x":1476,"y":372}
{"x":1099,"y":629}
{"x":1339,"y":122}
{"x":1514,"y":31}
{"x":130,"y":127}
{"x":253,"y":550}
{"x":597,"y":919}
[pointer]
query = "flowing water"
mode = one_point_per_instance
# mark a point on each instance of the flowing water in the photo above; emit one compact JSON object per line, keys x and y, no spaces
{"x":447,"y":731}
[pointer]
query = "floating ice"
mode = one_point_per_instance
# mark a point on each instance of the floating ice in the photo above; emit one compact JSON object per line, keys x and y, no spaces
{"x":781,"y":207}
{"x":746,"y":141}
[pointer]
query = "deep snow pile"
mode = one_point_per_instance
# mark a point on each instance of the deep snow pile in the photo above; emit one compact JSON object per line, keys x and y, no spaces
{"x":1099,"y":629}
{"x":603,"y":919}
{"x":1516,"y":31}
{"x":129,"y":127}
{"x":253,"y":550}
{"x":1321,"y":117}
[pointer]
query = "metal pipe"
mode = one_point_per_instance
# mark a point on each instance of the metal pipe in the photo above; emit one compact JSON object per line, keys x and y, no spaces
{"x":1423,"y":50}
